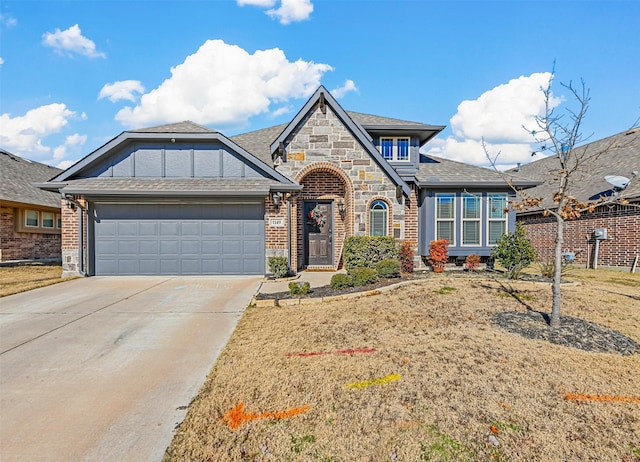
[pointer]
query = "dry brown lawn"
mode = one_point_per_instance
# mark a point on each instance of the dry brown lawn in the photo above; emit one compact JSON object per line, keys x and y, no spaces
{"x":464,"y":384}
{"x":22,"y":278}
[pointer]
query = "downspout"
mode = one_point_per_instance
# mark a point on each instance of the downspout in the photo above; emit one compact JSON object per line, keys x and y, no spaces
{"x":290,"y":256}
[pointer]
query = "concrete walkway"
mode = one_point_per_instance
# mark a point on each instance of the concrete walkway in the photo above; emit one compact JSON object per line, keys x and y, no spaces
{"x":103,"y":368}
{"x":314,"y":278}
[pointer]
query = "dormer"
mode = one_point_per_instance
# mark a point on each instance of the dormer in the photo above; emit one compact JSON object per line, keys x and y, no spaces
{"x":398,"y":141}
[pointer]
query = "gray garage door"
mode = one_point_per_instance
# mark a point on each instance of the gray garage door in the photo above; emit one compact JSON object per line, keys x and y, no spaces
{"x":178,"y":239}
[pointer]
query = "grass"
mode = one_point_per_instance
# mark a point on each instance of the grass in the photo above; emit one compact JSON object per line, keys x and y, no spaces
{"x":461,"y":381}
{"x":18,"y":279}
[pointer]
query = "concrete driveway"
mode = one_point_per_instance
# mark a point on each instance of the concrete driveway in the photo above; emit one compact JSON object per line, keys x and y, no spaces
{"x":103,"y":368}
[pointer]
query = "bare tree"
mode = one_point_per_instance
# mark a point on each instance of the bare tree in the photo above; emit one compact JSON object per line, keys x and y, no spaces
{"x":560,"y":135}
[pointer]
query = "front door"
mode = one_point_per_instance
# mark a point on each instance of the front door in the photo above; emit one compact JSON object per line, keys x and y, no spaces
{"x":318,"y":233}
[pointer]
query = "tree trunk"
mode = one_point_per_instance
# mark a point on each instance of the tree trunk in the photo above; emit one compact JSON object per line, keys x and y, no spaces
{"x":557,"y":274}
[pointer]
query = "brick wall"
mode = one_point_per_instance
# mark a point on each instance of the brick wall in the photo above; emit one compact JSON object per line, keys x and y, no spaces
{"x":623,"y":231}
{"x":70,"y":254}
{"x":24,"y":246}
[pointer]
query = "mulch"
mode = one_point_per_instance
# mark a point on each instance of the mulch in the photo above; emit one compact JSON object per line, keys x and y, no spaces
{"x":572,"y":332}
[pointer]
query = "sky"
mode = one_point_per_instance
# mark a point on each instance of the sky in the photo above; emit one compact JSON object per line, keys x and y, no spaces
{"x":75,"y":74}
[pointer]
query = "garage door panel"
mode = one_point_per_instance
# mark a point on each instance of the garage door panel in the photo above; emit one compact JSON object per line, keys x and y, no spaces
{"x":179,"y":239}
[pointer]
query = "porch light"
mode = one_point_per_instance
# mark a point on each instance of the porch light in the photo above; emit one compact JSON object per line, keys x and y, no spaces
{"x":341,"y":209}
{"x":276,"y":200}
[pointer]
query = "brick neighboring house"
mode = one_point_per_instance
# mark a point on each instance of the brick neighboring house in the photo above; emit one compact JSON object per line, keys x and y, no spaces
{"x":30,"y":226}
{"x":184,"y":199}
{"x":616,"y":155}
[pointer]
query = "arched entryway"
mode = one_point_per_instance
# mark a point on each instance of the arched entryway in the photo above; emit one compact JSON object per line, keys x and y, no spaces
{"x":324,"y":211}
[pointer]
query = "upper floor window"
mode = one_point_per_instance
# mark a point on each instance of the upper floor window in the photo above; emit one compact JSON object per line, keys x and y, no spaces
{"x":470,"y":219}
{"x":378,"y":218}
{"x":395,"y":149}
{"x":446,"y":217}
{"x":497,"y":217}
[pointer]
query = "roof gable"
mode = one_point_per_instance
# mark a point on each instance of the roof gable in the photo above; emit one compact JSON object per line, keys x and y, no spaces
{"x":324,"y":97}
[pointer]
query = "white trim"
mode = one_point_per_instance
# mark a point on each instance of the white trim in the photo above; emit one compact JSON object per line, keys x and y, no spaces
{"x":476,"y":220}
{"x":504,"y":219}
{"x":452,"y":243}
{"x":394,"y":148}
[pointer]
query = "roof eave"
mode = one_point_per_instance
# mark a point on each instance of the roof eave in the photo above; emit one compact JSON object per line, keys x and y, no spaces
{"x":475,"y":184}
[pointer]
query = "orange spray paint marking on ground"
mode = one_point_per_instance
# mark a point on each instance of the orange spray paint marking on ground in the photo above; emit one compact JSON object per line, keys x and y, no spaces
{"x":338,"y":352}
{"x":602,"y":398}
{"x":236,"y":416}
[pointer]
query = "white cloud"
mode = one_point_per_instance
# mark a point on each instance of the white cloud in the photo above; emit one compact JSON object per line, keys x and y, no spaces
{"x":25,"y":134}
{"x":124,"y":89}
{"x":223,"y":84}
{"x":497,"y":116}
{"x":8,"y":20}
{"x":339,"y":92}
{"x":1,"y":61}
{"x":65,"y":164}
{"x":281,"y":110}
{"x":71,"y":41}
{"x":292,"y":11}
{"x":288,"y":12}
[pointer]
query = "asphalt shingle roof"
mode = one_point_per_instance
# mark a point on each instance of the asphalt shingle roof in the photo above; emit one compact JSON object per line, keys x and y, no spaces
{"x":616,"y":155}
{"x":17,"y":176}
{"x":181,"y":127}
{"x":184,"y":186}
{"x":439,"y":172}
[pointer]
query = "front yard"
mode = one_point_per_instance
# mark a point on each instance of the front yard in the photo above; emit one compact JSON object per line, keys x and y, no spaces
{"x":422,"y":373}
{"x":16,"y":279}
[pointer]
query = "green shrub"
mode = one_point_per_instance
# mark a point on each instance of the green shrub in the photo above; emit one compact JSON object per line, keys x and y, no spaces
{"x":279,"y":266}
{"x":295,"y":288}
{"x":389,"y":268}
{"x":366,"y":251}
{"x":514,"y":251}
{"x":341,"y":281}
{"x":547,"y":268}
{"x":363,"y":276}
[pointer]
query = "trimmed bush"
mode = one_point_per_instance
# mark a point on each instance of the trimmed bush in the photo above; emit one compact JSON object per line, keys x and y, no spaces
{"x":366,"y":251}
{"x":295,"y":288}
{"x":405,"y":255}
{"x":472,"y":262}
{"x":389,"y":268}
{"x":363,"y":276}
{"x":341,"y":281}
{"x":438,"y":254}
{"x":279,"y":266}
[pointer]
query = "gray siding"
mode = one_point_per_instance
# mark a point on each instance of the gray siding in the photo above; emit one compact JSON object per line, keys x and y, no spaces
{"x":174,"y":160}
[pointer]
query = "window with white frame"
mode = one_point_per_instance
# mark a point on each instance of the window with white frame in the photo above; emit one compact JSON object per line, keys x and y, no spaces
{"x":471,"y":219}
{"x":378,"y":218}
{"x":31,"y":219}
{"x":497,"y":217}
{"x":446,"y":217}
{"x":48,"y":219}
{"x":59,"y":220}
{"x":395,"y":148}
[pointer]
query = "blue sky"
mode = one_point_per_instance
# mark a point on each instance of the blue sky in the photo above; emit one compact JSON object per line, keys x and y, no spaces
{"x":74,"y":74}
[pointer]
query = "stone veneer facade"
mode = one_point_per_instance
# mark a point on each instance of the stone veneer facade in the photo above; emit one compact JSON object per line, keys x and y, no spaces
{"x":327,"y":160}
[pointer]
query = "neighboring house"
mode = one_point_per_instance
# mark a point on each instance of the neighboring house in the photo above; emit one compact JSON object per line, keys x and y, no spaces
{"x":30,"y":223}
{"x":616,"y":155}
{"x":183,"y":199}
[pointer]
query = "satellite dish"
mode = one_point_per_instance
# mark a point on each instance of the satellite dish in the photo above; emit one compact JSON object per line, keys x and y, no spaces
{"x":618,"y":182}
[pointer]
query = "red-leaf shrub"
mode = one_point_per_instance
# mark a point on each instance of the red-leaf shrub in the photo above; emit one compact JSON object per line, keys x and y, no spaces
{"x":472,"y":261}
{"x":438,"y":254}
{"x":405,"y":255}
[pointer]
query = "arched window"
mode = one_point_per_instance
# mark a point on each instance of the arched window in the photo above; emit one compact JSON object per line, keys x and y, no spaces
{"x":378,"y":218}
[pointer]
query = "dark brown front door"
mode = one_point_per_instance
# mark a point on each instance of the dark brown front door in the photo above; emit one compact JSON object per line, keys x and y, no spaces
{"x":318,"y":233}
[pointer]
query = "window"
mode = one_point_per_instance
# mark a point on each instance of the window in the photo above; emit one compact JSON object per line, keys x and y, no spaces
{"x":470,"y":219}
{"x":48,"y":220}
{"x":395,"y":149}
{"x":31,"y":219}
{"x":497,"y":224}
{"x":59,"y":220}
{"x":378,"y":218}
{"x":445,"y":217}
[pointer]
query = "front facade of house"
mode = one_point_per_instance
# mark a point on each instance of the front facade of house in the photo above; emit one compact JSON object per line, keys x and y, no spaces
{"x":30,"y":218}
{"x":183,"y":199}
